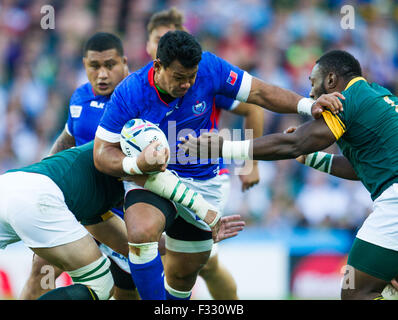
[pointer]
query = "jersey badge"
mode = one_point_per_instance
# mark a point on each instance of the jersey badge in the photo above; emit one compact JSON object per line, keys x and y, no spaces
{"x":75,"y":111}
{"x":233,"y":76}
{"x":199,"y":108}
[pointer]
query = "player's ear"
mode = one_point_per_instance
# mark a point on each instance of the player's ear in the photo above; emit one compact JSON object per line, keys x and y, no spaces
{"x":157,"y":64}
{"x":331,"y":80}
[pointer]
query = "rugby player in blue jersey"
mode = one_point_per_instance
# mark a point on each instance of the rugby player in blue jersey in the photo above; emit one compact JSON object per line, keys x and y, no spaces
{"x":177,"y":91}
{"x":105,"y":66}
{"x":219,"y":280}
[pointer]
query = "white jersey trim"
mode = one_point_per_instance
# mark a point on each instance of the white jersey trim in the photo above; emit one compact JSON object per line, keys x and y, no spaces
{"x":234,"y":104}
{"x":67,"y":130}
{"x":107,"y":135}
{"x":245,"y":87}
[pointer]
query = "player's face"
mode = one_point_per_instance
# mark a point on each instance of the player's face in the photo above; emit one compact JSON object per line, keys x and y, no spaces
{"x":154,"y":37}
{"x":317,"y":83}
{"x":175,"y":79}
{"x":105,"y":69}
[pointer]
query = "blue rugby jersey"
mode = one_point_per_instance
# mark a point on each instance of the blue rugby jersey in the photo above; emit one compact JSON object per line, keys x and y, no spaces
{"x":85,"y":111}
{"x":137,"y":97}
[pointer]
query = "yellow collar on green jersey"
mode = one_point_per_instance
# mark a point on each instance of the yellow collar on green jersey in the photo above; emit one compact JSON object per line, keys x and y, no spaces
{"x":356,"y":79}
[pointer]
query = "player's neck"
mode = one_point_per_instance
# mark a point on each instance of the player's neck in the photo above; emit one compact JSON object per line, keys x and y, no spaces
{"x":163,"y":93}
{"x":160,"y":89}
{"x":342,"y":85}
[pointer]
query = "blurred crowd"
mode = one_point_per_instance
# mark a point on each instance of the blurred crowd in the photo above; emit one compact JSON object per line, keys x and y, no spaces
{"x":277,"y":41}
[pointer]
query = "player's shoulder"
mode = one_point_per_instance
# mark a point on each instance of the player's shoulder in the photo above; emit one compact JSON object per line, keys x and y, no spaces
{"x":135,"y":81}
{"x":358,"y":87}
{"x":208,"y":58}
{"x":82,"y":93}
{"x":209,"y":64}
{"x":360,"y":92}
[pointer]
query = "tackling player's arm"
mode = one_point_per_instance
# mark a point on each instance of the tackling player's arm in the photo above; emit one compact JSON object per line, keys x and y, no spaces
{"x":339,"y":165}
{"x":312,"y":136}
{"x":63,"y":142}
{"x":334,"y":164}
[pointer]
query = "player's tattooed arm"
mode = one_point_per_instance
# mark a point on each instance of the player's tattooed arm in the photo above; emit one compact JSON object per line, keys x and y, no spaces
{"x":63,"y":142}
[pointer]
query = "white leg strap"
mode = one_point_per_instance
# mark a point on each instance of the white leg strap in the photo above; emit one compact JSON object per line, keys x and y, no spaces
{"x":176,"y":293}
{"x":141,"y":253}
{"x":168,"y":186}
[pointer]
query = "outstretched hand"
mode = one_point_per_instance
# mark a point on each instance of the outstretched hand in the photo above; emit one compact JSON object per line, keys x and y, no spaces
{"x":328,"y":101}
{"x":227,"y":227}
{"x":207,"y":146}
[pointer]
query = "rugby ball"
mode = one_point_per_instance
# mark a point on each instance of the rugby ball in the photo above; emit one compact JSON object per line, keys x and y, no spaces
{"x":137,"y":134}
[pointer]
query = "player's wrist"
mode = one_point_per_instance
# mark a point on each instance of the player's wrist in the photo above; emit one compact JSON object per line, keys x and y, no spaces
{"x":304,"y":106}
{"x":130,"y":166}
{"x":321,"y":161}
{"x":236,"y":150}
{"x":212,"y":217}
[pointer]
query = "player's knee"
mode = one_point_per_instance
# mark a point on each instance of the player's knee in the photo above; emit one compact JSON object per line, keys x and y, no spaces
{"x":96,"y":276}
{"x":143,"y":235}
{"x":147,"y":231}
{"x":185,"y":274}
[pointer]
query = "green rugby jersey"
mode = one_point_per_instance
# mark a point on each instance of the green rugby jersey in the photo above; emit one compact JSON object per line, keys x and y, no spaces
{"x":89,"y":194}
{"x":367,"y":133}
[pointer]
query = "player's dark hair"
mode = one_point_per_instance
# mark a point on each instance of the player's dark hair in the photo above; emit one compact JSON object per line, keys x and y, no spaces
{"x":181,"y":46}
{"x":102,"y":41}
{"x":340,"y":62}
{"x":166,"y":18}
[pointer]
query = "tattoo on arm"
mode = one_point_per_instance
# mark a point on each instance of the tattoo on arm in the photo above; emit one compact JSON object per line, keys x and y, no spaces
{"x":63,"y":142}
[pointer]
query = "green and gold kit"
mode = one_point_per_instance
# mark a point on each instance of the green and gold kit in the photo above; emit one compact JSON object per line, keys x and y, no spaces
{"x":367,"y":133}
{"x":89,"y":194}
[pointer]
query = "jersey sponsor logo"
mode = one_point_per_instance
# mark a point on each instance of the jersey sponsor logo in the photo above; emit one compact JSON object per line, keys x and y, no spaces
{"x":233,"y":76}
{"x":95,"y":104}
{"x":172,"y":110}
{"x":75,"y":111}
{"x":199,"y":108}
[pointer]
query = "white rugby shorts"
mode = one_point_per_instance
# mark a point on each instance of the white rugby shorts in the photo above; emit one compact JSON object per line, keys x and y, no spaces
{"x":381,"y":226}
{"x":214,"y":191}
{"x":33,"y":209}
